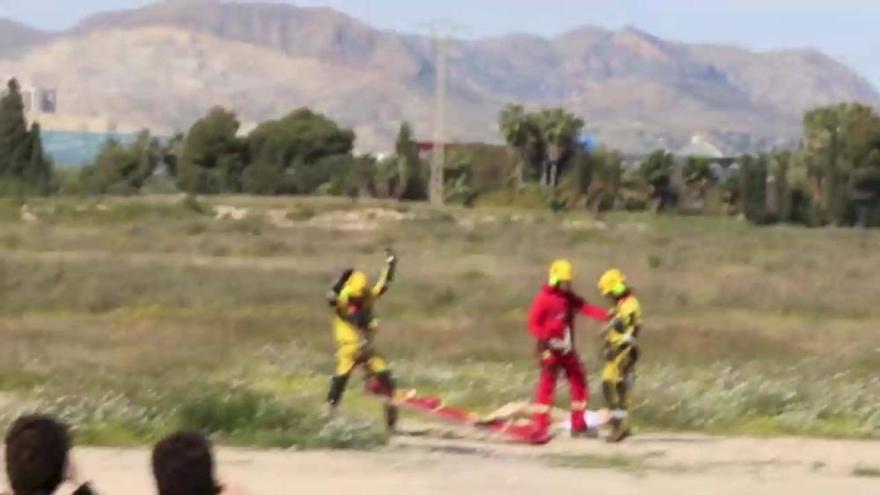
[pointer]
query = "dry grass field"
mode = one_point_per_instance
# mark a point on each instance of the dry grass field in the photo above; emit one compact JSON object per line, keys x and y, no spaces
{"x":130,"y":317}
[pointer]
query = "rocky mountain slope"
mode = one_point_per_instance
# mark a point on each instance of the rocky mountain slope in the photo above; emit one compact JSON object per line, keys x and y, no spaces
{"x":164,"y":65}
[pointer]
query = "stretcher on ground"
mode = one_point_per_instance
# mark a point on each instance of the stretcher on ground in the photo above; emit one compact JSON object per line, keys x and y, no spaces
{"x":513,"y":430}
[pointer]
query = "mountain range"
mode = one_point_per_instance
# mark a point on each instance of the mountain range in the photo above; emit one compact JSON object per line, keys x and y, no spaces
{"x":164,"y":65}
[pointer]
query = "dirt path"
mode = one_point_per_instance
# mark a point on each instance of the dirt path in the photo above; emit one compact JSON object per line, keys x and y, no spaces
{"x":655,"y":464}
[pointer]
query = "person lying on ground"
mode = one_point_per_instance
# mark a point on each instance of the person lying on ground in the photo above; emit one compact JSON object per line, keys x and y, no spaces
{"x":521,"y":413}
{"x":38,"y":457}
{"x":183,"y":464}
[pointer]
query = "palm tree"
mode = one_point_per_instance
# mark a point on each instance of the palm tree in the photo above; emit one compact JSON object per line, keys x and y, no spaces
{"x":559,"y":130}
{"x":519,"y":131}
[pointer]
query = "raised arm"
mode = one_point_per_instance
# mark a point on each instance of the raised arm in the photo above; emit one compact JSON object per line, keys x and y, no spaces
{"x":387,"y":275}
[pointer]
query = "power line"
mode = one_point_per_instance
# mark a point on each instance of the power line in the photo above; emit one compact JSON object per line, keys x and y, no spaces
{"x":440,"y":32}
{"x":438,"y":157}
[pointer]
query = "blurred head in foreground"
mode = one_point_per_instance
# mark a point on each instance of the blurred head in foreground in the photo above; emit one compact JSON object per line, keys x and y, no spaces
{"x":184,"y":465}
{"x":37,"y":450}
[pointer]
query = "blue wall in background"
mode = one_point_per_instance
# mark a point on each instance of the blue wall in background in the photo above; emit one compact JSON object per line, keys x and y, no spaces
{"x":77,"y":148}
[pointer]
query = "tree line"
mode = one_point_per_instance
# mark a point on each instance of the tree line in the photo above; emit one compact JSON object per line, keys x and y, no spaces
{"x":833,"y":178}
{"x":301,"y":153}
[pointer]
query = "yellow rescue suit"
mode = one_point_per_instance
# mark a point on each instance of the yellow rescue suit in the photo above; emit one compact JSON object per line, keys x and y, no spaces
{"x":621,"y":349}
{"x":620,"y":352}
{"x":354,"y":328}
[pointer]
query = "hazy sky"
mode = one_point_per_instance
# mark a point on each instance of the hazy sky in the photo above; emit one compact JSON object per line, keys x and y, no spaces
{"x":846,"y":29}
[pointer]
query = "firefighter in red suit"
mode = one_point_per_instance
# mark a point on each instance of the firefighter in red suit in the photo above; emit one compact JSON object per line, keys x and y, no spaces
{"x":551,"y":322}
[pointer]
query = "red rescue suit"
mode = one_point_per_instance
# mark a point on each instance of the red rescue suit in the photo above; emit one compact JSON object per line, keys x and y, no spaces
{"x":551,"y":322}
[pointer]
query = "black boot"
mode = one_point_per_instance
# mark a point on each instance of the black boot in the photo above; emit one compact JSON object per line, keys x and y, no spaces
{"x":621,"y":425}
{"x":391,"y":414}
{"x":337,"y":388}
{"x":619,"y":431}
{"x":388,"y":389}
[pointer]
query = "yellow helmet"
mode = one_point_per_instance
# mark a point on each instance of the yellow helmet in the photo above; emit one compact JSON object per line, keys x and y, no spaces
{"x":357,"y":284}
{"x":561,"y":271}
{"x":612,"y":283}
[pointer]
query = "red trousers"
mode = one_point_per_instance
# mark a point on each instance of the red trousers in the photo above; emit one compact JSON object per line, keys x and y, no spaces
{"x":551,"y":367}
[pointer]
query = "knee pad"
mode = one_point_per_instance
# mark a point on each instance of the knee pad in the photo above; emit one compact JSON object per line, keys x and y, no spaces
{"x":386,"y":383}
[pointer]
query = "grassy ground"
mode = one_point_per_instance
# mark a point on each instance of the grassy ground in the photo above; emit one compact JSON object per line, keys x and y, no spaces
{"x":130,"y":317}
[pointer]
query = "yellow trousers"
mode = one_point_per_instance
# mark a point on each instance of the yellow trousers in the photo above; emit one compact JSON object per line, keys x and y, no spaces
{"x":349,"y":356}
{"x":618,"y":366}
{"x":617,"y":383}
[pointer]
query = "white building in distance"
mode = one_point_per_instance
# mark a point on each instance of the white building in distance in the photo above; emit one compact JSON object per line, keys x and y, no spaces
{"x":39,"y":100}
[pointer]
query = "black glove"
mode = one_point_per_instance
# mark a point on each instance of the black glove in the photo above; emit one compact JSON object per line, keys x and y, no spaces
{"x":333,"y":294}
{"x":343,"y":278}
{"x":362,"y":320}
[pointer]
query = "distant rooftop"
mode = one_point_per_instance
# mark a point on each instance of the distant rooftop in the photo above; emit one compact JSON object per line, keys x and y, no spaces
{"x":699,"y":147}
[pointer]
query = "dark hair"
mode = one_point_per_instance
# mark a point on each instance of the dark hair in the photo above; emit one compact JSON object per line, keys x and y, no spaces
{"x":183,"y":465}
{"x":36,"y":454}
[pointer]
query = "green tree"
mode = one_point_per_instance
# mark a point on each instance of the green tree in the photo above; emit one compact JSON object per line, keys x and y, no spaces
{"x":865,"y":190}
{"x":559,"y":131}
{"x":491,"y":166}
{"x":387,"y":177}
{"x":267,"y":179}
{"x":24,"y":166}
{"x":124,"y":168}
{"x":172,"y":150}
{"x":697,"y":169}
{"x":838,"y":141}
{"x":657,"y":171}
{"x":14,"y":140}
{"x":753,"y":184}
{"x":458,"y":178}
{"x":362,"y":176}
{"x":287,"y":151}
{"x":410,"y":169}
{"x":731,"y":194}
{"x":339,"y":176}
{"x":599,"y":177}
{"x":39,"y":172}
{"x":212,"y":157}
{"x":585,"y":167}
{"x":697,"y":179}
{"x":522,"y":132}
{"x":780,"y":196}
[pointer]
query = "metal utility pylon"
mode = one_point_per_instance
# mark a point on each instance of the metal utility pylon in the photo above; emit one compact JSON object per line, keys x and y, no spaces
{"x":438,"y":154}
